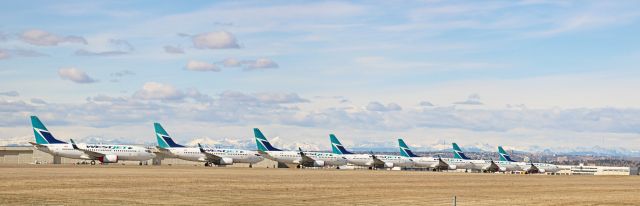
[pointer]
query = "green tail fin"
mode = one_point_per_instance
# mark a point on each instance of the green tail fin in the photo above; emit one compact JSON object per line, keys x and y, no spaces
{"x":457,"y":152}
{"x":160,"y":133}
{"x":405,"y":151}
{"x":163,"y":138}
{"x":336,"y":146}
{"x":262,"y":143}
{"x":42,"y":134}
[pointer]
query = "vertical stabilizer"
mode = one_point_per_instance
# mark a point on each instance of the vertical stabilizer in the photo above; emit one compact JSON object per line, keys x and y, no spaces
{"x":262,"y":143}
{"x":42,"y":134}
{"x":336,"y":146}
{"x":405,"y":151}
{"x":458,"y":154}
{"x":504,"y":156}
{"x":163,"y":138}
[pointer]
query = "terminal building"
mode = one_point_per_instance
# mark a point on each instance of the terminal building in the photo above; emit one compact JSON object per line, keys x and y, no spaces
{"x":596,"y":170}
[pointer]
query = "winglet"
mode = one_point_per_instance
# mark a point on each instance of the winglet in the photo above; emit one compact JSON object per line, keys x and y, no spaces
{"x":73,"y":144}
{"x":200,"y":147}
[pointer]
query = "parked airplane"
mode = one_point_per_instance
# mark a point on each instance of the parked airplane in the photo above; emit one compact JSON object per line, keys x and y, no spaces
{"x":463,"y":162}
{"x":302,"y":159}
{"x":369,"y":160}
{"x":428,"y":162}
{"x":46,"y":142}
{"x":210,"y":156}
{"x":529,"y":167}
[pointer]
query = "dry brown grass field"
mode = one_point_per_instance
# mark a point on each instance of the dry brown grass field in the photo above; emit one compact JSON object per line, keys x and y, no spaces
{"x":190,"y":185}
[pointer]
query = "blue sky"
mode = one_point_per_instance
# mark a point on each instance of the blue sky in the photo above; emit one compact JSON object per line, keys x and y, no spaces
{"x":518,"y":73}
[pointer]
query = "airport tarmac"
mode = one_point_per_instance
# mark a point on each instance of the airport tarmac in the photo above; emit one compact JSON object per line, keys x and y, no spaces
{"x":197,"y":185}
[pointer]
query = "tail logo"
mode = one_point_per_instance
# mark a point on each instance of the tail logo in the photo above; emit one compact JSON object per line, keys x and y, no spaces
{"x":45,"y":137}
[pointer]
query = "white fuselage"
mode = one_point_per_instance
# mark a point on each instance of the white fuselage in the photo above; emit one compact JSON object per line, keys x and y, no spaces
{"x":194,"y":154}
{"x":542,"y":167}
{"x":368,"y":161}
{"x":293,"y":157}
{"x":426,"y":162}
{"x":506,"y":166}
{"x":123,"y":152}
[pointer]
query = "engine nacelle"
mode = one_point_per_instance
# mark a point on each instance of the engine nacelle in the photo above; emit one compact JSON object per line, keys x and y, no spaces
{"x":108,"y":158}
{"x":541,"y":170}
{"x":502,"y":169}
{"x":318,"y":163}
{"x":225,"y":161}
{"x":453,"y":167}
{"x":388,"y":164}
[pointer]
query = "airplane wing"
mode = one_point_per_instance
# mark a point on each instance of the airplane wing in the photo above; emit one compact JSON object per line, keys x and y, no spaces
{"x":441,"y":163}
{"x":92,"y":154}
{"x":209,"y":156}
{"x":376,"y":160}
{"x":37,"y":145}
{"x":305,"y":158}
{"x":532,"y":168}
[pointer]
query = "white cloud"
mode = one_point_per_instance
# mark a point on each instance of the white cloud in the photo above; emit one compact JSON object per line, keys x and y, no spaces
{"x":4,"y":55}
{"x":8,"y":53}
{"x":231,"y":62}
{"x":120,"y":47}
{"x":426,"y":104}
{"x":10,"y":93}
{"x":159,"y":91}
{"x":379,"y":107}
{"x":44,"y":38}
{"x":473,"y":99}
{"x":215,"y":40}
{"x":259,"y":64}
{"x":201,"y":66}
{"x":75,"y":75}
{"x":173,"y":49}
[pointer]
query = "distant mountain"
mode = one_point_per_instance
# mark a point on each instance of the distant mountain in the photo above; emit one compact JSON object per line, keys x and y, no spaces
{"x":365,"y":146}
{"x":16,"y":141}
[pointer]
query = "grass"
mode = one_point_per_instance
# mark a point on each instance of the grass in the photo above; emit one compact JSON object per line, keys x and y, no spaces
{"x":190,"y":185}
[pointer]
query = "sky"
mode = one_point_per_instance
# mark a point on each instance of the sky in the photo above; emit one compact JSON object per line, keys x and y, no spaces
{"x":524,"y":74}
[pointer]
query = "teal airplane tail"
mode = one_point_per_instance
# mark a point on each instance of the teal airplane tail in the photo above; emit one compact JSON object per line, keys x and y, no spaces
{"x":336,"y":146}
{"x":163,"y":138}
{"x":405,"y":151}
{"x":504,"y":156}
{"x":457,"y":152}
{"x":42,"y":134}
{"x":262,"y":143}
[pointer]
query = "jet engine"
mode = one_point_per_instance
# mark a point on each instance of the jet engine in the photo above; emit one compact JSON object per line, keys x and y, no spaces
{"x":388,"y":164}
{"x":453,"y":167}
{"x":502,"y":169}
{"x":225,"y":161}
{"x":317,"y":163}
{"x":541,"y":170}
{"x":108,"y":158}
